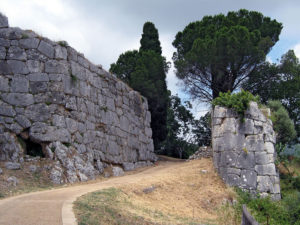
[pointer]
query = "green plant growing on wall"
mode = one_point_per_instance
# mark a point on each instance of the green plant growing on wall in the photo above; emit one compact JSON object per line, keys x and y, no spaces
{"x":63,"y":43}
{"x":104,"y":108}
{"x":73,"y":78}
{"x":239,"y":102}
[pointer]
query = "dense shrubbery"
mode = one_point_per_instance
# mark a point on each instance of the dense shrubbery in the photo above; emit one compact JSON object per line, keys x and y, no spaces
{"x":283,"y":125}
{"x":264,"y":210}
{"x":237,"y":101}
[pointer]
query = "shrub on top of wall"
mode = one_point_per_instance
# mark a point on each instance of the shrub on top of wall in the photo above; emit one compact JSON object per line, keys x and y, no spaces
{"x":237,"y":101}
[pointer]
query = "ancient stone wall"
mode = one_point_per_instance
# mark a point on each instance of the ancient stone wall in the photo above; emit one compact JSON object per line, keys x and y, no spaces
{"x":243,"y":151}
{"x":82,"y":117}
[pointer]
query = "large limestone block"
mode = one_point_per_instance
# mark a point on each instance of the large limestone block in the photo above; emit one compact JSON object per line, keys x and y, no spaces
{"x":3,"y":21}
{"x":245,"y":160}
{"x":248,"y":179}
{"x":268,"y":169}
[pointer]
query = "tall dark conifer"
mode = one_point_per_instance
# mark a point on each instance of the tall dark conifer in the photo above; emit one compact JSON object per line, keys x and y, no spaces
{"x":145,"y":71}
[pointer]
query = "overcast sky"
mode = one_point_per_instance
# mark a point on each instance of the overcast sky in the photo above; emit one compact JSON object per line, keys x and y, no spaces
{"x":104,"y":29}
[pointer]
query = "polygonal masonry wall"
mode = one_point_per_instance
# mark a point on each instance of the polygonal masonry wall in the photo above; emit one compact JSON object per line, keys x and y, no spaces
{"x":243,"y":152}
{"x":82,"y":116}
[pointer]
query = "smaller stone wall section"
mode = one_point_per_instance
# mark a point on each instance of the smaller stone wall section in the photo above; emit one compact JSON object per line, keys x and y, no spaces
{"x":243,"y":152}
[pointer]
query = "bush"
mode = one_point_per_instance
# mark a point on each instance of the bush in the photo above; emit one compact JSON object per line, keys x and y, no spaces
{"x":264,"y":210}
{"x":237,"y":101}
{"x":283,"y":125}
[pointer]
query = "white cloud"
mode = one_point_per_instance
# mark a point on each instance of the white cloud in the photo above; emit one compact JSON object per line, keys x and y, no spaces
{"x":297,"y":50}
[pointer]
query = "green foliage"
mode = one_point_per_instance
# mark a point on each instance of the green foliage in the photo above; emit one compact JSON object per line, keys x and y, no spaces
{"x":279,"y":82}
{"x":237,"y":101}
{"x":217,"y":53}
{"x":145,"y":71}
{"x":73,"y":78}
{"x":264,"y":210}
{"x":202,"y":130}
{"x":150,"y":39}
{"x":283,"y":125}
{"x":24,"y":36}
{"x":104,"y":108}
{"x":63,"y":43}
{"x":125,"y":65}
{"x":180,"y":122}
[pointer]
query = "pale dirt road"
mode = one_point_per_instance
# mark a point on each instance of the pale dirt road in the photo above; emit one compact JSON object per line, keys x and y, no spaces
{"x":54,"y":207}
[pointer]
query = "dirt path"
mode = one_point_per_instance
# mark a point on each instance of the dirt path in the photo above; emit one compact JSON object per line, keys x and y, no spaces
{"x":54,"y":207}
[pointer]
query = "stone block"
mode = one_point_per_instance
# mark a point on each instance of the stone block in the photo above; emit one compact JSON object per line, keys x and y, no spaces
{"x":19,"y":84}
{"x":4,"y":42}
{"x":127,"y":166}
{"x":232,"y":180}
{"x":253,"y":112}
{"x":228,"y":159}
{"x":7,"y":111}
{"x":29,"y":43}
{"x":46,"y":49}
{"x":23,"y":121}
{"x":247,"y":127}
{"x":71,"y":125}
{"x":245,"y":160}
{"x":248,"y":179}
{"x":264,"y":184}
{"x":117,"y":171}
{"x":12,"y":166}
{"x":54,"y":66}
{"x":18,"y":99}
{"x":60,"y":52}
{"x":254,"y":143}
{"x":262,"y":158}
{"x":269,"y":147}
{"x":34,"y":66}
{"x":38,"y":87}
{"x":2,"y":53}
{"x":16,"y":53}
{"x":268,"y":169}
{"x":3,"y":21}
{"x":38,"y":112}
{"x":219,"y":112}
{"x":38,"y":77}
{"x":4,"y":87}
{"x":17,"y":67}
{"x":5,"y":68}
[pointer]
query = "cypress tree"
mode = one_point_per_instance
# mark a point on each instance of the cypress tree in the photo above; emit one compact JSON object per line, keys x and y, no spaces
{"x":145,"y":71}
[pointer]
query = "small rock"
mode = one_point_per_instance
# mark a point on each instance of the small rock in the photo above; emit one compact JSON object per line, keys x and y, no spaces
{"x":1,"y":171}
{"x":12,"y":166}
{"x":149,"y":189}
{"x":204,"y":171}
{"x":13,"y":180}
{"x":32,"y":168}
{"x":117,"y":171}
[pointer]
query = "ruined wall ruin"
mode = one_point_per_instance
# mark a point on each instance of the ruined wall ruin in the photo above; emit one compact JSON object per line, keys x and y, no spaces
{"x":243,"y":151}
{"x":82,"y":117}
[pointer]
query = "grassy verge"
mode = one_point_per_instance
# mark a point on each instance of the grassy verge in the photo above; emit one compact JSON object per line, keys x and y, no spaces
{"x":113,"y":206}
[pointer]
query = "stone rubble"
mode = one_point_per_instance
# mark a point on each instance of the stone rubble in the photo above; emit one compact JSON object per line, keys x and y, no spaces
{"x":81,"y":115}
{"x":13,"y":181}
{"x":243,"y":152}
{"x":202,"y":152}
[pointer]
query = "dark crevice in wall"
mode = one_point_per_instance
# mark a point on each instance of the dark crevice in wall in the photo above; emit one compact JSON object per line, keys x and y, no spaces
{"x":30,"y":148}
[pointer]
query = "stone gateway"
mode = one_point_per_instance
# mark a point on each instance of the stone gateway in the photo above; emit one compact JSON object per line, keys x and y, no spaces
{"x":55,"y":104}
